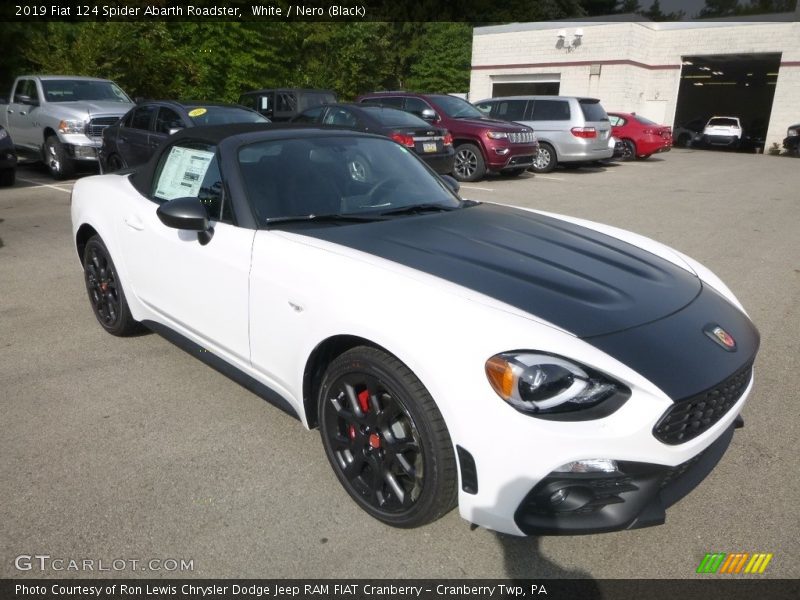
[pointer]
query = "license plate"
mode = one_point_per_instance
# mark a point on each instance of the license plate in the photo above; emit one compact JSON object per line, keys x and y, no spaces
{"x":429,"y":146}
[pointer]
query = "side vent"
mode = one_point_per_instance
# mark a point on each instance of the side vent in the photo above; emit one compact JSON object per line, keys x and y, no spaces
{"x":469,"y":474}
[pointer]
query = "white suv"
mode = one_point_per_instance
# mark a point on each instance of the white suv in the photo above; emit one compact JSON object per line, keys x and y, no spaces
{"x":723,"y":131}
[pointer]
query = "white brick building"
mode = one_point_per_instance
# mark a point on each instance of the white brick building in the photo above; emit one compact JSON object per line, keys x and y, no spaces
{"x":667,"y":72}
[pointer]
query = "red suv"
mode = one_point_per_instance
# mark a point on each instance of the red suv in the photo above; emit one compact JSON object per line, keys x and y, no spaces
{"x":482,"y":145}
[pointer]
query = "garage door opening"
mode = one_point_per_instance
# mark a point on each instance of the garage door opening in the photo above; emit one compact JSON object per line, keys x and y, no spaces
{"x":731,"y":85}
{"x":536,"y":88}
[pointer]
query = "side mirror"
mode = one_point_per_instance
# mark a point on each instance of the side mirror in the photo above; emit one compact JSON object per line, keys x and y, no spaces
{"x":429,"y":114}
{"x":22,"y":99}
{"x":451,"y":183}
{"x":188,"y":214}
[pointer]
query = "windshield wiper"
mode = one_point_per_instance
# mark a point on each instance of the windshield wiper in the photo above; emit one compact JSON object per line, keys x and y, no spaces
{"x":333,"y":218}
{"x":420,"y":208}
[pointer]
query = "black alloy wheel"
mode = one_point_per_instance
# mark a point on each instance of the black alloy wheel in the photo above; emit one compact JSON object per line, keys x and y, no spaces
{"x":469,"y":164}
{"x":629,"y":150}
{"x":385,"y":439}
{"x":105,"y":290}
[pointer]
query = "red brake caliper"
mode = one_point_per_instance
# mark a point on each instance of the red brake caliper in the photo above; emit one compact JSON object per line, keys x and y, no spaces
{"x":363,"y":402}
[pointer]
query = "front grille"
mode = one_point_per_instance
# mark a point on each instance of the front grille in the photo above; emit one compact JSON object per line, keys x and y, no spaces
{"x":96,"y":126}
{"x":689,"y":418}
{"x":521,"y":137}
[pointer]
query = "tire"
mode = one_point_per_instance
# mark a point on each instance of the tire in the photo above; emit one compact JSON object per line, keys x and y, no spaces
{"x":629,"y":152}
{"x":396,"y":458}
{"x":7,"y":177}
{"x":546,"y":160}
{"x":56,"y":159}
{"x":683,"y":140}
{"x":114,"y":163}
{"x":105,"y":290}
{"x":514,"y":172}
{"x":468,"y":164}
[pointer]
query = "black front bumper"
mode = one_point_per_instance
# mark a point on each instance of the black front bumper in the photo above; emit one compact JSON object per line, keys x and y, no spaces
{"x":636,"y":495}
{"x":792,"y":143}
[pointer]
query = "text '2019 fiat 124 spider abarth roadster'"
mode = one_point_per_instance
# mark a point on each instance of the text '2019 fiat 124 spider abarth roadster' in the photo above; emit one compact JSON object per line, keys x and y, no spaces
{"x":548,"y":375}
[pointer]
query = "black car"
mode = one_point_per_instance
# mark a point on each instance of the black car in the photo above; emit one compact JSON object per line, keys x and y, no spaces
{"x":286,"y":103}
{"x":792,"y":141}
{"x":134,"y":138}
{"x":433,"y":144}
{"x":8,"y":159}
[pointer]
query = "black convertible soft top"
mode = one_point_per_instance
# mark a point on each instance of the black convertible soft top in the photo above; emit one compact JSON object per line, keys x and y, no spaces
{"x":217,"y":134}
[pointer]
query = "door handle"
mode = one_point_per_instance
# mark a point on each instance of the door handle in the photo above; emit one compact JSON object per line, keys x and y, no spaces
{"x":22,"y":112}
{"x":134,"y":222}
{"x":10,"y":110}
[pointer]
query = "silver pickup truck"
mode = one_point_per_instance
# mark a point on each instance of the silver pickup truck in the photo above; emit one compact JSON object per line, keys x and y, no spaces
{"x":59,"y":119}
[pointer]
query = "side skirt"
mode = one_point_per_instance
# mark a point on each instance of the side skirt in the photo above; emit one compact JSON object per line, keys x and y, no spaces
{"x":218,"y":364}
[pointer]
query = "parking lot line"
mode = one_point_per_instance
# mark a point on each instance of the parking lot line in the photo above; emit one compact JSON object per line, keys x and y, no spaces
{"x":549,"y":178}
{"x":47,"y":185}
{"x":473,"y":187}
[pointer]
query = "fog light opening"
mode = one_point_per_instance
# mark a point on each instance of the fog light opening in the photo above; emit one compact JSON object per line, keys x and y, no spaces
{"x":589,"y":465}
{"x":559,"y":496}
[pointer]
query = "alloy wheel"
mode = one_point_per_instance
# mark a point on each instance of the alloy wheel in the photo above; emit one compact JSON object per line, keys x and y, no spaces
{"x":374,"y":442}
{"x":53,"y":163}
{"x":101,"y":283}
{"x":466,"y":163}
{"x":543,"y":158}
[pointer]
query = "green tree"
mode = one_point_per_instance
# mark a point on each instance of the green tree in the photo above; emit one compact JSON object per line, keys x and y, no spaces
{"x":719,"y":8}
{"x":442,"y":60}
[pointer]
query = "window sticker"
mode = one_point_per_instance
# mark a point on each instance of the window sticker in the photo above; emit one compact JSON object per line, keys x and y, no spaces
{"x":183,"y":173}
{"x":197,"y":112}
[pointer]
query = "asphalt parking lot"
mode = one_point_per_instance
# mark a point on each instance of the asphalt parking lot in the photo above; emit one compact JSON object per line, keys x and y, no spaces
{"x":132,"y":449}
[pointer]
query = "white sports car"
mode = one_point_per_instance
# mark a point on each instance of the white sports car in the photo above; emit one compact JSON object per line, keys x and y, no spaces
{"x":548,"y":375}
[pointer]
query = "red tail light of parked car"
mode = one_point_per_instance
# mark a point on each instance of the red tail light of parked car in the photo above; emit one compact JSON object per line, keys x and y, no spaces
{"x":584,"y":132}
{"x":404,"y":139}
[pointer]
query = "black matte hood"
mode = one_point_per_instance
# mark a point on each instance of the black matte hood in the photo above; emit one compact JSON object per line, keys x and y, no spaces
{"x":583,"y":281}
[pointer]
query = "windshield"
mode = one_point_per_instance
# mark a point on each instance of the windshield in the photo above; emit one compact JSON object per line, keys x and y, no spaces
{"x":456,"y":108}
{"x":337,"y":175}
{"x":78,"y":90}
{"x":222,"y":115}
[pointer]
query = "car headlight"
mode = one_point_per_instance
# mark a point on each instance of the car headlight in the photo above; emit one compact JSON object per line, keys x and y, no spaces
{"x":497,"y":135}
{"x":541,"y":384}
{"x":71,"y":126}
